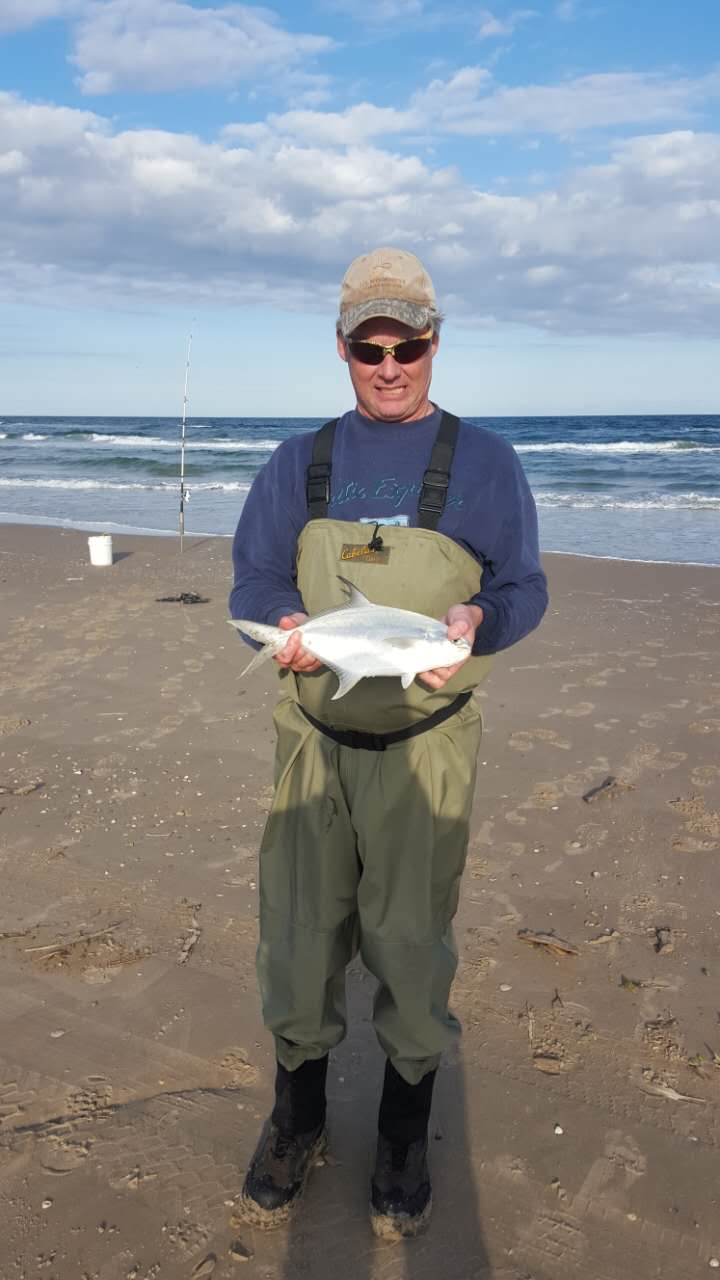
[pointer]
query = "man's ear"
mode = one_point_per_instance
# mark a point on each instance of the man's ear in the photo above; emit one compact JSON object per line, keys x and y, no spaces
{"x":341,"y":347}
{"x":435,"y":343}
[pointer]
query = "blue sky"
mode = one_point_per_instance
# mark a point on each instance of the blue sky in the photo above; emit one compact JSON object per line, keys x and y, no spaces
{"x":164,"y":164}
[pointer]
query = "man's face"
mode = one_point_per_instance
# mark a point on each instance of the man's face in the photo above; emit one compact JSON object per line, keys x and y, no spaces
{"x":390,"y":392}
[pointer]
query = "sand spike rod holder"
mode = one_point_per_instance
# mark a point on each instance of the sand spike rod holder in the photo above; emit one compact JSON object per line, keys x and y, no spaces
{"x":184,"y":493}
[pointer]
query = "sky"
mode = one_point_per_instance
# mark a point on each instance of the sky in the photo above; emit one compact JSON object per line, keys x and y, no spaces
{"x":168,"y":167}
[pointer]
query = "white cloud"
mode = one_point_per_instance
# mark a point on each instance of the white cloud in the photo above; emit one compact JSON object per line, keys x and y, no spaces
{"x":18,"y":14}
{"x":626,"y":246}
{"x":12,"y":161}
{"x":379,"y":13}
{"x":467,"y":105}
{"x":333,"y":128}
{"x":169,"y":44}
{"x":490,"y":26}
{"x":470,"y":104}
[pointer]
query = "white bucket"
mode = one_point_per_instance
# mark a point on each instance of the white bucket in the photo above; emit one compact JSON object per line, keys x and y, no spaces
{"x":101,"y":552}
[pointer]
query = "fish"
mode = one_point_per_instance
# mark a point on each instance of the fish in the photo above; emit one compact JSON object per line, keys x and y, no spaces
{"x":359,"y":640}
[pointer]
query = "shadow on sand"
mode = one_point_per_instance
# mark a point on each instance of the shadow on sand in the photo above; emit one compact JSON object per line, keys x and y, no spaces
{"x":330,"y":1236}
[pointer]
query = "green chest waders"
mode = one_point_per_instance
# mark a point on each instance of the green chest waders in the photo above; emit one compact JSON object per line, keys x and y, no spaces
{"x":366,"y":841}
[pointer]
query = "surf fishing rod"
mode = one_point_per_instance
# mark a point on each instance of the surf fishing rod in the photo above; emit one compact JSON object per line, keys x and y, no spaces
{"x":184,"y":493}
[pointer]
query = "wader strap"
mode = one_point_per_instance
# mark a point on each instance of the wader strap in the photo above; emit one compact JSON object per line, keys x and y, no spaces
{"x":379,"y":741}
{"x":437,"y":477}
{"x":317,"y":487}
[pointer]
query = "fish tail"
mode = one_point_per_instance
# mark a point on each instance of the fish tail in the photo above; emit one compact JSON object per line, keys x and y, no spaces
{"x":273,"y":639}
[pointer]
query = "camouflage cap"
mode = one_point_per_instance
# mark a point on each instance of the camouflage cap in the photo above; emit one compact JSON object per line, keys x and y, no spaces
{"x":386,"y":282}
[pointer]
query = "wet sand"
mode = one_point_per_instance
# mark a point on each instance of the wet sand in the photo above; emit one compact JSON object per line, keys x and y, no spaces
{"x":135,"y":776}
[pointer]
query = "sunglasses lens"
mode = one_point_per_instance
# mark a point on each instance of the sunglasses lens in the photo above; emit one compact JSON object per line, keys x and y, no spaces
{"x":366,"y":352}
{"x":413,"y":349}
{"x":403,"y":352}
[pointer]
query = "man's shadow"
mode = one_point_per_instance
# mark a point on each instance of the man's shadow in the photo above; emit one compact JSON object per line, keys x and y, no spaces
{"x":330,"y":1235}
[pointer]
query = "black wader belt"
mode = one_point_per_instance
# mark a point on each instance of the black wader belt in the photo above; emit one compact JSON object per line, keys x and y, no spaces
{"x":379,"y":741}
{"x":436,"y":479}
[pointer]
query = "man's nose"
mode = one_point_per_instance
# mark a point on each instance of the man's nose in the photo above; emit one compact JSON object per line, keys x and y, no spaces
{"x":389,"y":369}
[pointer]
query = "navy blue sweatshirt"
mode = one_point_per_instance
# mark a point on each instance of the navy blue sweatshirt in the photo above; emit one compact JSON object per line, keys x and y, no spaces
{"x":377,"y":475}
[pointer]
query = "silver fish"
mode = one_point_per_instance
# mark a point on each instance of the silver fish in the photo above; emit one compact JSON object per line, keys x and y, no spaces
{"x":361,"y":639}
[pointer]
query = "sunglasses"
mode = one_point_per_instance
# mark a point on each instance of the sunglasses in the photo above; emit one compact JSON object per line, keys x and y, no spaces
{"x":405,"y":352}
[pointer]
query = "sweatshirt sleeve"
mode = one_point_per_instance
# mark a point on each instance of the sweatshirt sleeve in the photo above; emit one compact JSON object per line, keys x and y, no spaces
{"x":514,"y":593}
{"x":265,"y":580}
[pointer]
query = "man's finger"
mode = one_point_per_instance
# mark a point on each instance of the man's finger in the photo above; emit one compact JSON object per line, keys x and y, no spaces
{"x":290,"y":651}
{"x":459,"y":628}
{"x":305,"y":662}
{"x":432,"y":678}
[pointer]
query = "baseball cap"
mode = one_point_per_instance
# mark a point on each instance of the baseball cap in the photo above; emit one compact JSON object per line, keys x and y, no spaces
{"x":386,"y":282}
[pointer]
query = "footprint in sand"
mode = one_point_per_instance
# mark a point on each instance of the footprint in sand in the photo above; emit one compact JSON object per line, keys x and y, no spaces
{"x":600,"y":679}
{"x":589,"y":836}
{"x":523,"y":739}
{"x":580,"y":709}
{"x":705,"y":774}
{"x":515,"y":819}
{"x":483,"y":836}
{"x":614,"y":1173}
{"x":63,"y":1155}
{"x":648,"y":756}
{"x":235,"y":1063}
{"x":698,"y":818}
{"x":10,"y":724}
{"x":705,"y":726}
{"x":651,"y":719}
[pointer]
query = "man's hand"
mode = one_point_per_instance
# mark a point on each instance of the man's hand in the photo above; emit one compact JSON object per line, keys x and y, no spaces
{"x":293,"y":655}
{"x":460,"y":620}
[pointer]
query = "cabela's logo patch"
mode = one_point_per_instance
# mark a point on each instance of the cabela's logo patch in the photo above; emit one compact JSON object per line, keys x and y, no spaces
{"x":367,"y":554}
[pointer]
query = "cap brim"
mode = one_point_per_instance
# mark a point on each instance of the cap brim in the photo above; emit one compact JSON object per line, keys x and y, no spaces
{"x":409,"y":313}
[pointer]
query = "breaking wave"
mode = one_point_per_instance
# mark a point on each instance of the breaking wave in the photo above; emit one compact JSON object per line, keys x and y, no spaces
{"x":156,"y":442}
{"x":619,"y":446}
{"x":69,"y":485}
{"x":610,"y":502}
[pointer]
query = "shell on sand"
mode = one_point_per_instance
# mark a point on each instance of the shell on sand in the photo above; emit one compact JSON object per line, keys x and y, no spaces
{"x":558,"y":946}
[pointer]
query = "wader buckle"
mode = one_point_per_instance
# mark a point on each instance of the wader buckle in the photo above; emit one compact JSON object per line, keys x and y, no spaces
{"x":434,"y":490}
{"x":318,"y":483}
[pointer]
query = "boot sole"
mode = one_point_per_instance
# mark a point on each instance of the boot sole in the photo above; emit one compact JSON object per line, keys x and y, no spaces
{"x":394,"y":1227}
{"x":268,"y":1219}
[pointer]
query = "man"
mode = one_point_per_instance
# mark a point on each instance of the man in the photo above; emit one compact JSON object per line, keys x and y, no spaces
{"x":366,"y":841}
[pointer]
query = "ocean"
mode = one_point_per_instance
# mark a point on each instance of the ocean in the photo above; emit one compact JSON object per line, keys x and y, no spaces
{"x":637,"y":488}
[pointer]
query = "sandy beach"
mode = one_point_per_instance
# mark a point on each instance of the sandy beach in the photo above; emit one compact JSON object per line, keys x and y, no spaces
{"x":575,"y":1134}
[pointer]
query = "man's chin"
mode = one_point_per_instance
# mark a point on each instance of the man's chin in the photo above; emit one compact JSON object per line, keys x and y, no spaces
{"x":390,"y":409}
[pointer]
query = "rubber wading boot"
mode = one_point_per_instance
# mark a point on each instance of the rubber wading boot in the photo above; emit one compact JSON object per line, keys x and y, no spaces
{"x":400,"y":1191}
{"x":291,"y":1143}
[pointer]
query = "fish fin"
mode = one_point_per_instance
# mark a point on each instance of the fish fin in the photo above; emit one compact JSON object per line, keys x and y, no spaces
{"x":346,"y":681}
{"x":407,"y":679}
{"x":355,"y":597}
{"x":273,"y":639}
{"x":261,"y":656}
{"x":399,"y":642}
